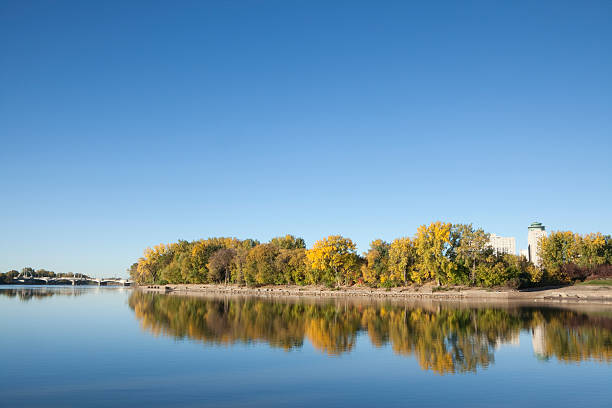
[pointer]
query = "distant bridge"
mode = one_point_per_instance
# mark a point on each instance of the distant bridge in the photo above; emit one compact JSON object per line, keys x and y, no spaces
{"x":28,"y":278}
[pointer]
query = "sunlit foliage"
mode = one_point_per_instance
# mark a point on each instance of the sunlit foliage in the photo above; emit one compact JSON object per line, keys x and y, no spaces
{"x":375,"y":270}
{"x":569,"y":256}
{"x":433,"y":245}
{"x":444,"y":253}
{"x":402,"y":260}
{"x":334,"y":257}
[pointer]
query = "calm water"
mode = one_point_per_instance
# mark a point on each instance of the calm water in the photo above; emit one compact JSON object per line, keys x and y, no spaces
{"x":103,"y":347}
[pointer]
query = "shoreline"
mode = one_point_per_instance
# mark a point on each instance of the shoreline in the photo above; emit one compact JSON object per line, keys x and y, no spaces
{"x":567,"y":294}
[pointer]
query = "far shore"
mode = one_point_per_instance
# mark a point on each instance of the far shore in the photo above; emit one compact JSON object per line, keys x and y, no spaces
{"x":566,"y":294}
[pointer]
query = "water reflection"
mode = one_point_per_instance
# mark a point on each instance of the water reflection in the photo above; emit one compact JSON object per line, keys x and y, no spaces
{"x":26,"y":294}
{"x":444,"y":337}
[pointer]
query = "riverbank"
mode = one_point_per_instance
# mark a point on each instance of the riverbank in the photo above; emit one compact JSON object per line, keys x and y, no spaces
{"x":576,"y":293}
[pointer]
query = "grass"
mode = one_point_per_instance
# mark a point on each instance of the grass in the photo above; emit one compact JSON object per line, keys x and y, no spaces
{"x":601,"y":282}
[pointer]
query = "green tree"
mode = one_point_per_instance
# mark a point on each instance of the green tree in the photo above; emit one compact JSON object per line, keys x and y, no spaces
{"x":238,"y":266}
{"x":470,"y":246}
{"x":375,"y":269}
{"x":292,"y":265}
{"x":288,"y":242}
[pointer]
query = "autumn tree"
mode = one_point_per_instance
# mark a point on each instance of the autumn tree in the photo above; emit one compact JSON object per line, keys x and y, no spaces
{"x":433,"y":244}
{"x":179,"y":264}
{"x":557,"y":249}
{"x":288,"y":242}
{"x":219,"y":265}
{"x":154,"y":260}
{"x":179,"y":267}
{"x":260,"y":267}
{"x":402,"y":259}
{"x":568,"y":256}
{"x":334,"y":256}
{"x":200,"y":255}
{"x":594,"y":249}
{"x":375,"y":269}
{"x":238,"y":266}
{"x":292,"y":265}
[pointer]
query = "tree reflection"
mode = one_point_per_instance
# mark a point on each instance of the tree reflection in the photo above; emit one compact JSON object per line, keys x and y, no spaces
{"x":444,"y":338}
{"x":27,"y":294}
{"x":572,"y":337}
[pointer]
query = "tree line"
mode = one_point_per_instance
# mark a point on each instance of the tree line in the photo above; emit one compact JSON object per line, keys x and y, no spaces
{"x":444,"y":253}
{"x":10,"y":276}
{"x":572,"y":256}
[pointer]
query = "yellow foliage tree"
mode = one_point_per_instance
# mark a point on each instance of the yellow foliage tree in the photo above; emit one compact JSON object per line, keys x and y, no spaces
{"x":153,"y":261}
{"x":432,"y":243}
{"x":402,"y":259}
{"x":334,"y":254}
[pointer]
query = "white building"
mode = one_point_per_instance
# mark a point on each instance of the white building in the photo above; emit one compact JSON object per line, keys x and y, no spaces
{"x":535,"y":231}
{"x":503,"y":245}
{"x":525,"y":253}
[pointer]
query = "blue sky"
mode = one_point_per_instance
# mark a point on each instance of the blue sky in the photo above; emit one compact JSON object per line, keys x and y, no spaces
{"x":127,"y":124}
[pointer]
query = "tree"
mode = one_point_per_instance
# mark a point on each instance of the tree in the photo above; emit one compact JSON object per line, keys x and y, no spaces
{"x":288,"y":242}
{"x":291,"y":264}
{"x":8,"y":277}
{"x":238,"y":266}
{"x":179,"y":267}
{"x":402,"y":259}
{"x":336,"y":255}
{"x":249,"y":243}
{"x":133,"y":271}
{"x":433,"y":243}
{"x":375,"y":270}
{"x":260,"y":268}
{"x":219,"y":265}
{"x":558,"y":249}
{"x":44,"y":273}
{"x":470,"y":246}
{"x":592,"y":250}
{"x":153,"y":261}
{"x":200,"y":255}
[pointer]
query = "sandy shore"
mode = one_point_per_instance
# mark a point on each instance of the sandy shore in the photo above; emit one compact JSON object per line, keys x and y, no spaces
{"x":569,"y":294}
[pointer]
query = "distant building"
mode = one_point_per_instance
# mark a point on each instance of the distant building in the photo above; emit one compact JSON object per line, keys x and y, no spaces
{"x":525,"y":253}
{"x":503,"y":245}
{"x":535,"y":231}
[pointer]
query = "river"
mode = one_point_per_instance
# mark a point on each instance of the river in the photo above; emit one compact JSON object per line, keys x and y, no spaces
{"x":109,"y":347}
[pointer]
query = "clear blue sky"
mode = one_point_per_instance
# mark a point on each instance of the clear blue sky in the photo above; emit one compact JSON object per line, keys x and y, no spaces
{"x":127,"y":124}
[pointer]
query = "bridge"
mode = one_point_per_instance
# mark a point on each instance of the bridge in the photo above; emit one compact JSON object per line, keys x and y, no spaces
{"x":45,"y":280}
